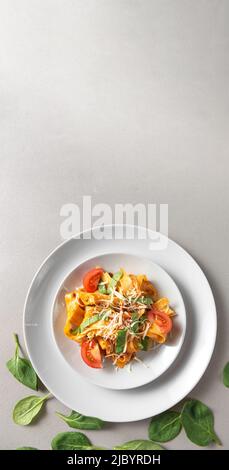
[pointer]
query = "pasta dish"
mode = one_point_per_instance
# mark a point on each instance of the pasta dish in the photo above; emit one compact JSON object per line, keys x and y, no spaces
{"x":116,"y":315}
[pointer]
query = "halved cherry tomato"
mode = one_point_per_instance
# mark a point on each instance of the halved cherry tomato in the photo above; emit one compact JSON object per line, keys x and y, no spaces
{"x":91,"y":279}
{"x":161,"y":319}
{"x":91,"y":354}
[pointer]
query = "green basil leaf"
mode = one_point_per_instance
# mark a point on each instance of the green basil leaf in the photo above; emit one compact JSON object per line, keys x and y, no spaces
{"x":117,"y":276}
{"x":111,"y":286}
{"x":146,"y":343}
{"x":145,"y":300}
{"x":89,"y":321}
{"x":22,"y":369}
{"x":226,"y":375}
{"x":72,"y":441}
{"x":102,"y":288}
{"x":135,"y":322}
{"x":105,"y":314}
{"x":113,"y":282}
{"x":78,"y":421}
{"x":120,"y":341}
{"x":28,"y":408}
{"x":165,"y":426}
{"x":198,"y":422}
{"x":26,"y":448}
{"x":139,"y":445}
{"x":75,"y":331}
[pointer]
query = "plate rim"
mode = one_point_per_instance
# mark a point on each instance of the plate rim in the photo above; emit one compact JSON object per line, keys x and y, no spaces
{"x":188,"y":389}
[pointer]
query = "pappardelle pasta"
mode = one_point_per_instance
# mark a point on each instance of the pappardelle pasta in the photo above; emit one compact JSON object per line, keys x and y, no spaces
{"x":114,"y":316}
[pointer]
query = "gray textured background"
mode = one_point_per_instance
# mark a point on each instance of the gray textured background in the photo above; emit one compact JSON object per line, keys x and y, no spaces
{"x":126,"y":100}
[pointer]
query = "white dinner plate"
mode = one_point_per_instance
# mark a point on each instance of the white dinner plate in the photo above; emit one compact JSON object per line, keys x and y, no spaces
{"x":154,"y":362}
{"x":70,"y":387}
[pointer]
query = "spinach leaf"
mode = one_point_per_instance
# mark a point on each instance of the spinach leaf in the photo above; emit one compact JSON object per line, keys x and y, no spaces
{"x":102,"y":288}
{"x":78,"y":421}
{"x":22,"y":368}
{"x":26,"y":448}
{"x":120,"y":341}
{"x":139,"y":445}
{"x":145,"y":300}
{"x":72,"y":441}
{"x":113,"y":282}
{"x":198,"y":422}
{"x":226,"y":375}
{"x":28,"y":408}
{"x":165,"y":426}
